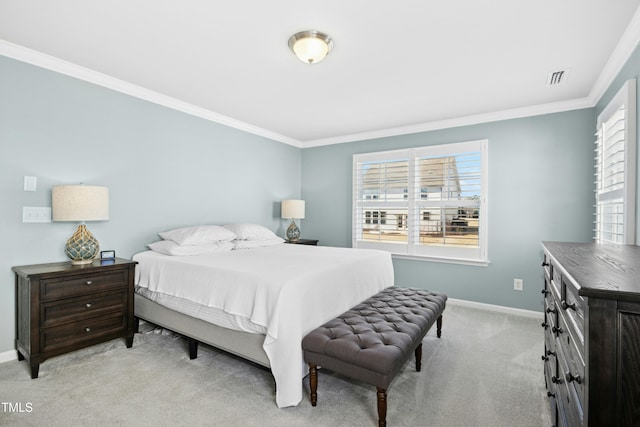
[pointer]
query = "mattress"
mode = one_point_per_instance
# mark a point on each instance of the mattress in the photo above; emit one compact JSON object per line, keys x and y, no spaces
{"x":287,"y":290}
{"x":213,"y":315}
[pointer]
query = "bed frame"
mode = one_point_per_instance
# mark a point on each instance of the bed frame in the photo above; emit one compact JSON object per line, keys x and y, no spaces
{"x":243,"y":344}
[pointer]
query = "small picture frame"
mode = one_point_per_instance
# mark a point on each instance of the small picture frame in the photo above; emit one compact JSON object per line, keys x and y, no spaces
{"x":107,"y":255}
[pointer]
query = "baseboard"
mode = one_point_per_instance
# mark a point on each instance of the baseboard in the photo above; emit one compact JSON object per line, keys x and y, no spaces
{"x":8,"y":356}
{"x":497,"y":308}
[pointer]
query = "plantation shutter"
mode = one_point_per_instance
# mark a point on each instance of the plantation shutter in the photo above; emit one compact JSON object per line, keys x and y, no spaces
{"x":381,"y":198}
{"x":615,"y":170}
{"x":422,"y":202}
{"x":449,"y":191}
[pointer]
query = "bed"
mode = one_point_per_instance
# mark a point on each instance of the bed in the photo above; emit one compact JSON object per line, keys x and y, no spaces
{"x":258,"y":303}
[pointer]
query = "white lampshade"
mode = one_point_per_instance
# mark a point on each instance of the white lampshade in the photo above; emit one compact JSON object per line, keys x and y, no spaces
{"x":293,"y":209}
{"x":80,"y":203}
{"x":310,"y":46}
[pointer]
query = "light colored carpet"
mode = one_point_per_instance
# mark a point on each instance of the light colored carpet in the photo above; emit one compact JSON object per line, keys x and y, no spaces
{"x":484,"y":371}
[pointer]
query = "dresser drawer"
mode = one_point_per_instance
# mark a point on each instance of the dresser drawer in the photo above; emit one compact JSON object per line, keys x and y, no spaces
{"x":567,"y":393}
{"x":70,"y":335}
{"x":573,"y":364}
{"x":546,"y":265}
{"x":572,"y":306}
{"x":550,"y":345}
{"x":549,"y":371}
{"x":549,"y":294}
{"x":550,"y":319}
{"x":71,"y":286}
{"x":58,"y":312}
{"x":556,"y":279}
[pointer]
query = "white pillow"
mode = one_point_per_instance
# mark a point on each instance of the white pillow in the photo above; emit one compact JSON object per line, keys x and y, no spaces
{"x":198,"y":235}
{"x":251,"y":232}
{"x":251,"y":244}
{"x":169,"y":247}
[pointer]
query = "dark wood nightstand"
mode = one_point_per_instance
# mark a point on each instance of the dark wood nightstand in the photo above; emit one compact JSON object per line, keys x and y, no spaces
{"x":62,"y":307}
{"x":309,"y":242}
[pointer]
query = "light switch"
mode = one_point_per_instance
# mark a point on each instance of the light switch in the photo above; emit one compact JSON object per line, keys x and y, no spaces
{"x":30,"y":183}
{"x":30,"y":214}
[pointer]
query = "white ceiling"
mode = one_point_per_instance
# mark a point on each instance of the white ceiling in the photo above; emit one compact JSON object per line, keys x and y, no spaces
{"x":396,"y":67}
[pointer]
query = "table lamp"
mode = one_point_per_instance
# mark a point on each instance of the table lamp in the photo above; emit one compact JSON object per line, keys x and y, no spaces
{"x":80,"y":203}
{"x":293,"y":209}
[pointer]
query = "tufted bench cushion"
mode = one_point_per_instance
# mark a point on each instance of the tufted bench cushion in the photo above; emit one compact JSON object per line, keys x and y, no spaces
{"x":372,"y":341}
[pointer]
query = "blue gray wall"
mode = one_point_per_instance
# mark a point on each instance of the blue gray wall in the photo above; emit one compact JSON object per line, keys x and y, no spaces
{"x":540,"y":188}
{"x":167,"y":169}
{"x":164,"y":169}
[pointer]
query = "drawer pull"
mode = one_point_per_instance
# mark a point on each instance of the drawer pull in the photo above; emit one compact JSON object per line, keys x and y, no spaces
{"x":545,"y":264}
{"x":545,"y":358}
{"x":544,"y":292}
{"x":549,"y":394}
{"x":87,"y":329}
{"x":556,"y":330}
{"x":88,"y":305}
{"x":89,"y":282}
{"x":571,"y":378}
{"x":565,"y":306}
{"x":545,"y":325}
{"x":551,"y":310}
{"x":556,"y":380}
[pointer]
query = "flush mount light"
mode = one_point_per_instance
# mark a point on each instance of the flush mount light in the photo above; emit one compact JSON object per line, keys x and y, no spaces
{"x":310,"y":46}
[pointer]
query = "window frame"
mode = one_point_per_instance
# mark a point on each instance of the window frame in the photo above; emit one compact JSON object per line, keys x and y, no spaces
{"x":624,"y":98}
{"x":416,"y":199}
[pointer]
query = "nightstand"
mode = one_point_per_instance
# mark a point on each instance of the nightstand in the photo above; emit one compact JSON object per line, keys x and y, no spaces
{"x":62,"y":307}
{"x":309,"y":242}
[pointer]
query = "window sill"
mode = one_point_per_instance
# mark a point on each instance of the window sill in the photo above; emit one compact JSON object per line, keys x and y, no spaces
{"x":473,"y":262}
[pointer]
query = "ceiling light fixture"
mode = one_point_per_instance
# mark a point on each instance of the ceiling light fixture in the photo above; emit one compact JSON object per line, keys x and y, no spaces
{"x":310,"y":46}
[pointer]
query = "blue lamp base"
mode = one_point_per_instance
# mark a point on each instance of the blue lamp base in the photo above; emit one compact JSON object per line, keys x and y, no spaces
{"x":293,"y":232}
{"x":82,"y":247}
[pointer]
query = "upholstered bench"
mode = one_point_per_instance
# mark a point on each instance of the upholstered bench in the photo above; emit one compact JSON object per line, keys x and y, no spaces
{"x":372,"y":341}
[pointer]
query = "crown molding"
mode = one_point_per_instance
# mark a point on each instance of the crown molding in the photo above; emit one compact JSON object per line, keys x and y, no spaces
{"x":515,"y":113}
{"x":57,"y":65}
{"x":620,"y":55}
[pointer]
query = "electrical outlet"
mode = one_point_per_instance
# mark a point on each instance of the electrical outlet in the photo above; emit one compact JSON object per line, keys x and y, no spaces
{"x":517,"y":285}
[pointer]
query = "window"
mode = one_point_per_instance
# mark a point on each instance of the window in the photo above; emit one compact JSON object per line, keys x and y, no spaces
{"x":432,"y":199}
{"x":615,"y":166}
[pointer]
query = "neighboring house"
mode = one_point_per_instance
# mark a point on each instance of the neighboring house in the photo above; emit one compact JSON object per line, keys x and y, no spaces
{"x":438,"y":180}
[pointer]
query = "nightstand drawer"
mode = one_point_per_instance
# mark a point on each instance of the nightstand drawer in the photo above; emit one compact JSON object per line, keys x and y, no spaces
{"x":76,"y":309}
{"x":71,"y":286}
{"x":72,"y":334}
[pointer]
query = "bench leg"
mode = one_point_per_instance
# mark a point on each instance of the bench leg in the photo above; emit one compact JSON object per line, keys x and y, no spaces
{"x":382,"y":407}
{"x":419,"y":357}
{"x":439,"y":325}
{"x":313,"y":383}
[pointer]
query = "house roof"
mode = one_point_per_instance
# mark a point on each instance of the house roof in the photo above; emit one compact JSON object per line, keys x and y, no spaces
{"x":439,"y":173}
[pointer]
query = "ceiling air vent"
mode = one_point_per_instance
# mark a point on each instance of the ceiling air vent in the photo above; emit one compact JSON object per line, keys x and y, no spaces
{"x":557,"y":77}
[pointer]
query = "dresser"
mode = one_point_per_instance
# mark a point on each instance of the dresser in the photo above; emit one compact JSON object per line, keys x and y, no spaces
{"x":62,"y":307}
{"x":592,"y":333}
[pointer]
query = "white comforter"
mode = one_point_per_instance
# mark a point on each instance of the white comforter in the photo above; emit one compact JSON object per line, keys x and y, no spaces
{"x":289,"y":289}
